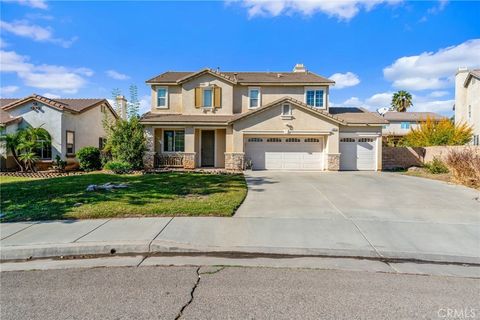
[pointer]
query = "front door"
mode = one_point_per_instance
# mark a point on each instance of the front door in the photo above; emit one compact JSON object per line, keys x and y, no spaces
{"x":208,"y":148}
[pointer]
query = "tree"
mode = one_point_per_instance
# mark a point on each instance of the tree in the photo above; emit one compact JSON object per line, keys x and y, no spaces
{"x":29,"y":141}
{"x":11,"y":142}
{"x":126,"y":141}
{"x":401,"y":101}
{"x":133,"y":105}
{"x":438,"y":133}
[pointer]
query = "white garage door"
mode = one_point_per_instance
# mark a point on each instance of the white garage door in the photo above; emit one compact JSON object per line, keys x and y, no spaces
{"x":280,"y":153}
{"x":357,"y":153}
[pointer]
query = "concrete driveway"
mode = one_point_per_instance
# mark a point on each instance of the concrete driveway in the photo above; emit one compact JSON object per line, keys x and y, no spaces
{"x":370,"y":196}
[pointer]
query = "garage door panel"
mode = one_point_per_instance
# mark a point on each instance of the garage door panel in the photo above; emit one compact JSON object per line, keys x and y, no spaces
{"x":293,"y":155}
{"x":357,"y":153}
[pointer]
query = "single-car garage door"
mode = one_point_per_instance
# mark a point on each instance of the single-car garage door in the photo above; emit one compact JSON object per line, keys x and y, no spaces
{"x":358,"y":153}
{"x":285,"y":153}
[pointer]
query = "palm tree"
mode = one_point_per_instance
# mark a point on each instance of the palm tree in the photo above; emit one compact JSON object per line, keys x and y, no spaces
{"x":401,"y":101}
{"x":11,"y":142}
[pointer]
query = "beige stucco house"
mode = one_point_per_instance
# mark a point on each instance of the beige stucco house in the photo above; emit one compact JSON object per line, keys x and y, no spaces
{"x":71,"y":123}
{"x":467,"y":100}
{"x":263,"y":120}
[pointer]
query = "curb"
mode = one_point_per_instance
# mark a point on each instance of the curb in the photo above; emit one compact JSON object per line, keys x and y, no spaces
{"x":10,"y":253}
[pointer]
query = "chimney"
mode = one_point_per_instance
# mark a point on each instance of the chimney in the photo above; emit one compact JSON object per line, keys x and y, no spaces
{"x":121,"y":106}
{"x":299,"y":67}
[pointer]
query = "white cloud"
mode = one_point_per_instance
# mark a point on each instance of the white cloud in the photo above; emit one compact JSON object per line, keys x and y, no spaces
{"x":67,"y":80}
{"x":433,"y":70}
{"x":344,"y":80}
{"x":23,"y":28}
{"x":116,"y":75}
{"x":353,"y":102}
{"x":379,"y":100}
{"x":439,"y":106}
{"x":37,"y":4}
{"x":438,"y":94}
{"x":341,"y":9}
{"x":51,"y":95}
{"x":8,"y":90}
{"x":145,"y":102}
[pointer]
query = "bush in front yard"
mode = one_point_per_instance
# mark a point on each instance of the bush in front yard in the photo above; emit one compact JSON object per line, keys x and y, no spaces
{"x":89,"y":158}
{"x":438,"y":133}
{"x":465,"y":166}
{"x":118,"y":167}
{"x":436,"y":166}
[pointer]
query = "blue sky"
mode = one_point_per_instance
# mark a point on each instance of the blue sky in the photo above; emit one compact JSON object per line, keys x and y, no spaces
{"x":371,"y":48}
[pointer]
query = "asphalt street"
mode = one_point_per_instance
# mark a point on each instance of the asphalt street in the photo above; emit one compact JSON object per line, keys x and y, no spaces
{"x":233,"y":293}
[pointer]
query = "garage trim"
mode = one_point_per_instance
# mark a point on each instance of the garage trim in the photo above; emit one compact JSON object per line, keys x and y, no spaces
{"x":357,"y":135}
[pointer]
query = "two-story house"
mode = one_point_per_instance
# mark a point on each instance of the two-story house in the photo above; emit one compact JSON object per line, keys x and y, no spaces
{"x":467,"y":100}
{"x":401,"y":123}
{"x":263,"y":120}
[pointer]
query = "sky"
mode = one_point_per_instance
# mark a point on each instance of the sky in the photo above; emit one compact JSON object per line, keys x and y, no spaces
{"x":371,"y":48}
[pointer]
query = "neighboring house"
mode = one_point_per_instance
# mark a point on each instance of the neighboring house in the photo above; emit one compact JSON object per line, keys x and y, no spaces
{"x":467,"y":100}
{"x":71,"y":123}
{"x":401,"y":123}
{"x":272,"y":120}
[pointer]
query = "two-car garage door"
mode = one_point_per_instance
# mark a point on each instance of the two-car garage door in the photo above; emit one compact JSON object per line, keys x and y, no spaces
{"x":285,"y":153}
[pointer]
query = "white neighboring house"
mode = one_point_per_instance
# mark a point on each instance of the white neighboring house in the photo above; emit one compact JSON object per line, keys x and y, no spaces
{"x":467,"y":100}
{"x":401,"y":123}
{"x":71,"y":123}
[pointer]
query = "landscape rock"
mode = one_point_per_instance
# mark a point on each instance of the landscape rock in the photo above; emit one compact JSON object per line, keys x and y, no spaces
{"x":107,"y":186}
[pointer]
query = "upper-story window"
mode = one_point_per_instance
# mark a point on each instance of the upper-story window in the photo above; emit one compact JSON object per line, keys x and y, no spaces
{"x":469,"y":112}
{"x":315,"y":97}
{"x":207,"y":97}
{"x":405,"y":125}
{"x":253,"y":97}
{"x":162,"y":97}
{"x":286,"y":110}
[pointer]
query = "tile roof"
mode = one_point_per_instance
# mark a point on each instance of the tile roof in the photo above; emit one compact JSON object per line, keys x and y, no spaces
{"x":175,"y":77}
{"x":355,"y":115}
{"x":412,"y":116}
{"x":186,"y":118}
{"x":71,"y":104}
{"x":6,"y":118}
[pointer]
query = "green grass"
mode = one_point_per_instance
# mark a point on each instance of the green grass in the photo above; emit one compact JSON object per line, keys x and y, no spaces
{"x":166,"y":194}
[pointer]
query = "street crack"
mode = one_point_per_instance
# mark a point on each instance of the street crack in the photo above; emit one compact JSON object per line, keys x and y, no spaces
{"x":192,"y":293}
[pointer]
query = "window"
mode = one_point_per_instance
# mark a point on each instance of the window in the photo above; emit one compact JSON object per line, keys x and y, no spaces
{"x":314,"y":98}
{"x":254,"y":97}
{"x":70,"y":142}
{"x":347,"y":140}
{"x":286,"y":110}
{"x":101,"y":143}
{"x":476,"y":140}
{"x":292,"y":140}
{"x":45,"y":151}
{"x":405,"y":125}
{"x":103,"y":108}
{"x":3,"y":130}
{"x":274,"y":140}
{"x":469,"y":112}
{"x":366,"y":140}
{"x":162,"y":98}
{"x":208,"y":97}
{"x":255,"y":140}
{"x":174,"y":141}
{"x":312,"y":140}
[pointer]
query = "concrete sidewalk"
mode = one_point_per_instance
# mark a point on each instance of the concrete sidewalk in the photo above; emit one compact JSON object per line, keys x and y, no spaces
{"x":442,"y":242}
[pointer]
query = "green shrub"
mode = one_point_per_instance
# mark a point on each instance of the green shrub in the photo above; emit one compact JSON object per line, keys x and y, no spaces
{"x":118,"y":167}
{"x":436,"y":166}
{"x":89,"y":158}
{"x":59,"y":164}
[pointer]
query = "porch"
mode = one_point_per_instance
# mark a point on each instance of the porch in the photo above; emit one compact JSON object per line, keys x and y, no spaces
{"x":188,"y":147}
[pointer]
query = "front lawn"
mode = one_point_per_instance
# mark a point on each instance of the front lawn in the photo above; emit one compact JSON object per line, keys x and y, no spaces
{"x":166,"y":194}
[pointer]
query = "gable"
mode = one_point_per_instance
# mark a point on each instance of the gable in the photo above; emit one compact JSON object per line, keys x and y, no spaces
{"x":271,"y":120}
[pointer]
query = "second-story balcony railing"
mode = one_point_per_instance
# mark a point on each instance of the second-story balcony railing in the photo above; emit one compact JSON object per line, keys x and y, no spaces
{"x":171,"y":160}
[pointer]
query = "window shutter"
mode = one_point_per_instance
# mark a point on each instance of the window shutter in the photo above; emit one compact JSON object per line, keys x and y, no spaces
{"x":217,"y":97}
{"x":198,"y":97}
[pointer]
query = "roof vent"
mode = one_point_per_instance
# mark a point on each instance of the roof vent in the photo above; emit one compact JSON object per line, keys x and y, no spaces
{"x":279,"y":75}
{"x":299,"y":67}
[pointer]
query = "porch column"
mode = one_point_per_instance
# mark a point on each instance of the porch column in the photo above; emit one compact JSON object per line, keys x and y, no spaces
{"x":149,"y":154}
{"x":189,"y":154}
{"x":332,"y":150}
{"x":234,"y":155}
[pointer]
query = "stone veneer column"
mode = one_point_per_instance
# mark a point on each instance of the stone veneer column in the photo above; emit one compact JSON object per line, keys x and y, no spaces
{"x":333,"y":162}
{"x":149,"y":154}
{"x":234,"y":161}
{"x":189,"y":160}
